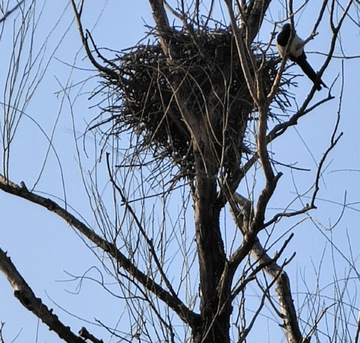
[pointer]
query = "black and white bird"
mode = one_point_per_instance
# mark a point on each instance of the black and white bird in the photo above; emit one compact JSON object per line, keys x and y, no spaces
{"x":296,"y":53}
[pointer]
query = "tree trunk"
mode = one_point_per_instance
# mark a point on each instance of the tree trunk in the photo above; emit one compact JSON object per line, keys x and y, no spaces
{"x":215,"y":310}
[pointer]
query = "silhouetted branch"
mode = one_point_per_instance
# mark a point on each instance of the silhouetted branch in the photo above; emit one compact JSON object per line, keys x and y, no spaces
{"x":86,"y":335}
{"x":277,"y":273}
{"x":11,"y":11}
{"x":184,"y":313}
{"x":26,"y":296}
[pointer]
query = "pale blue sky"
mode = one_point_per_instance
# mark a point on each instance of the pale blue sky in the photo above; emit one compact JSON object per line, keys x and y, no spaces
{"x":44,"y":248}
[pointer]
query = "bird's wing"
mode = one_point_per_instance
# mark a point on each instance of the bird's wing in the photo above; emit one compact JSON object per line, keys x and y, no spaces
{"x":282,"y":40}
{"x":280,"y":49}
{"x":297,"y":47}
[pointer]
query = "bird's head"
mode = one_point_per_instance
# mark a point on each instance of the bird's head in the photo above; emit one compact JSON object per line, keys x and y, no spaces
{"x":286,"y":27}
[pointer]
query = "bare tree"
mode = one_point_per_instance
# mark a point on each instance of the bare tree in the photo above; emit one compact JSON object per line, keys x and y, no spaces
{"x":200,"y":99}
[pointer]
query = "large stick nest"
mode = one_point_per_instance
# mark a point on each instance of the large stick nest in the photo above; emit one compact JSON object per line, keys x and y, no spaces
{"x":200,"y":74}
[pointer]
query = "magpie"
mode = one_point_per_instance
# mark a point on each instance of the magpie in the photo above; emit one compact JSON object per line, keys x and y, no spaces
{"x":296,"y":53}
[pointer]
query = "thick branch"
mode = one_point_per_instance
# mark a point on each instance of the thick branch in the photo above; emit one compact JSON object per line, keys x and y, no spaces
{"x":162,"y":23}
{"x":26,"y":296}
{"x":283,"y":290}
{"x":84,"y":40}
{"x":173,"y":302}
{"x":242,"y":52}
{"x":255,"y":13}
{"x":259,"y":254}
{"x":85,"y":333}
{"x":254,"y":224}
{"x":261,"y":143}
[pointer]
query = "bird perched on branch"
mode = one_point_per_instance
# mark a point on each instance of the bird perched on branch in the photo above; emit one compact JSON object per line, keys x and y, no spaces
{"x":296,"y":53}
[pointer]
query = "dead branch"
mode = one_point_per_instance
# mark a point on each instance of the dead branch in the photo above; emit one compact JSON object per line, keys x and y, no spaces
{"x":141,"y":229}
{"x":175,"y":303}
{"x":242,"y":53}
{"x":84,"y":39}
{"x":87,"y":335}
{"x":26,"y":296}
{"x":11,"y":11}
{"x":289,"y":317}
{"x":162,"y":24}
{"x":1,"y":332}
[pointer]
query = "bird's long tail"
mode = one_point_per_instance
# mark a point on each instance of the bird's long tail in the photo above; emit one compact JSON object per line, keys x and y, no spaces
{"x":309,"y":71}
